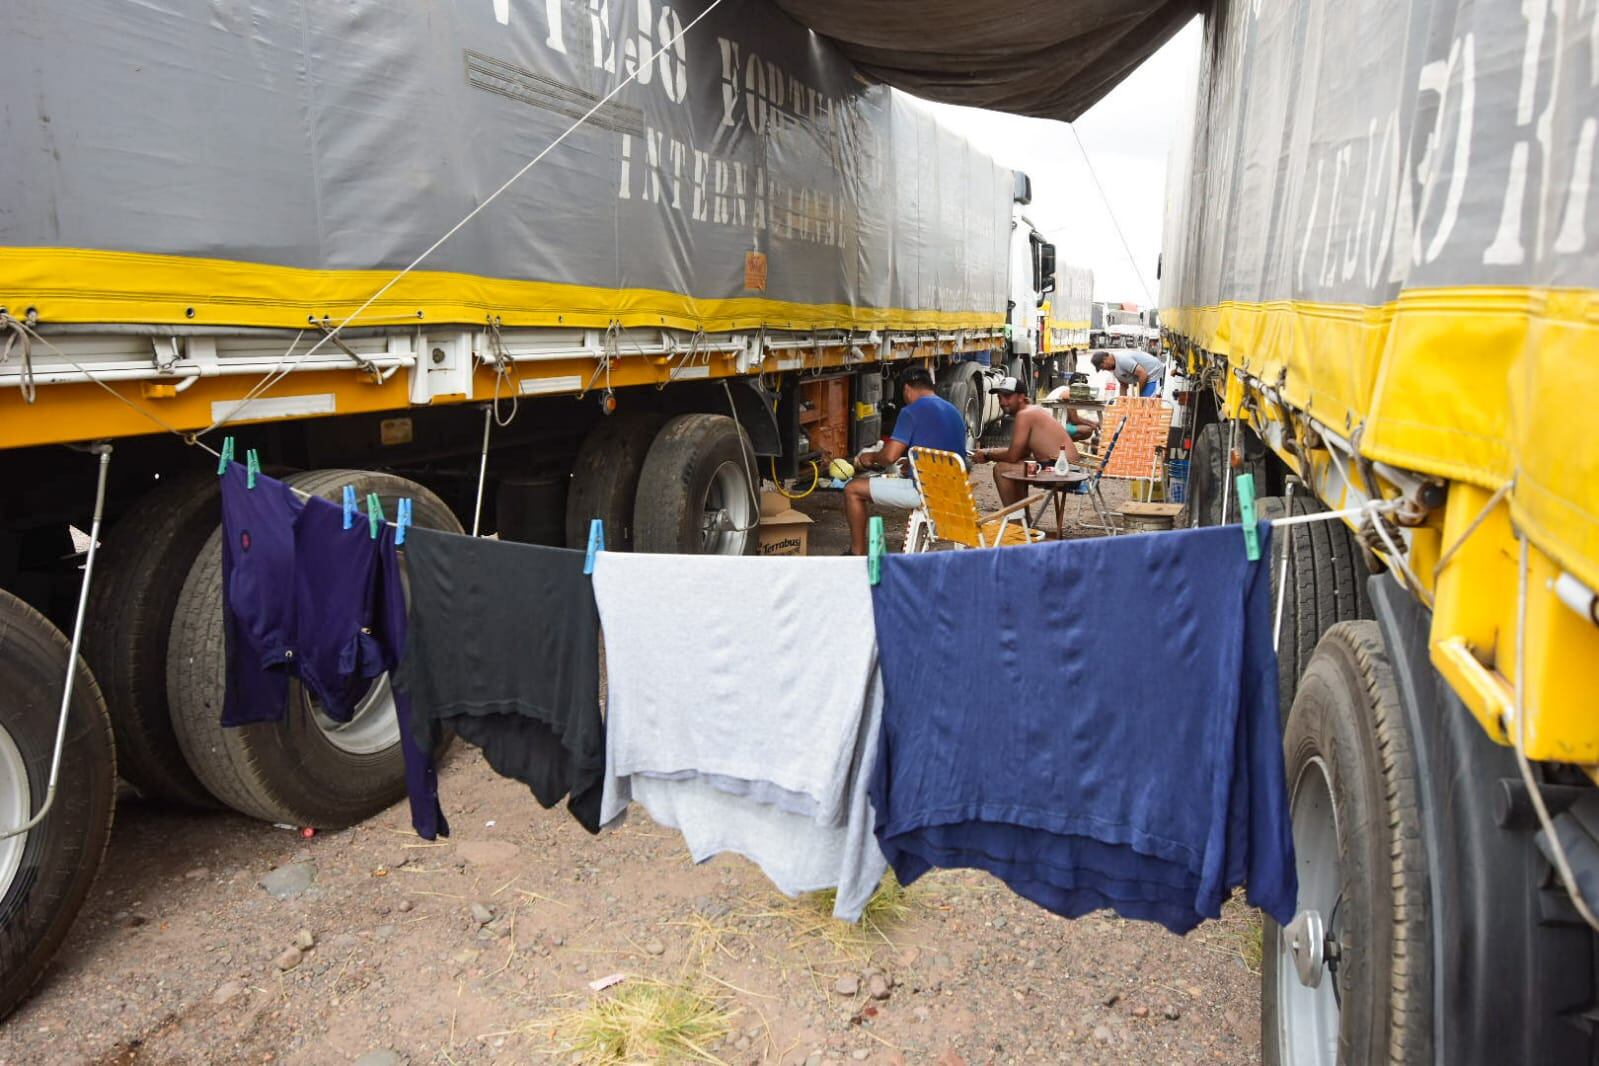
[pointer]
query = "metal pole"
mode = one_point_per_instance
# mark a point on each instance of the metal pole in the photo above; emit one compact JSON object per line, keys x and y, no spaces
{"x":104,"y":452}
{"x":482,"y":469}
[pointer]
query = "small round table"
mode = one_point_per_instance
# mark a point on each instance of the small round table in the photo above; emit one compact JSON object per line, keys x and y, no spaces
{"x":1057,"y":485}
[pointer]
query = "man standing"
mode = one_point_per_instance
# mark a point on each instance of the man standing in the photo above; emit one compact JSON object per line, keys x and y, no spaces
{"x":1034,"y":435}
{"x":1139,"y":371}
{"x":926,"y":421}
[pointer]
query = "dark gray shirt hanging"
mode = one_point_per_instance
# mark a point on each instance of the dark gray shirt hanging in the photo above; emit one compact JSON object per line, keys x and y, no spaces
{"x":504,"y":649}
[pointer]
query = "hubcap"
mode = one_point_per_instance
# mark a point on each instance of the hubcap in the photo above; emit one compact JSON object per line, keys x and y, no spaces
{"x":1307,"y":1016}
{"x":1307,"y":943}
{"x":16,"y":807}
{"x":729,"y":512}
{"x":371,"y":729}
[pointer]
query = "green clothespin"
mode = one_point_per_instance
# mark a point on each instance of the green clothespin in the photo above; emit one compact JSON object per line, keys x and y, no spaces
{"x":1246,"y":509}
{"x":252,"y":467}
{"x":226,"y":457}
{"x":596,"y":543}
{"x":875,"y":545}
{"x":374,"y":513}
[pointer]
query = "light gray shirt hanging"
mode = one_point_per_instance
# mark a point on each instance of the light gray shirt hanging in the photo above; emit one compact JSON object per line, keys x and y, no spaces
{"x":741,"y":749}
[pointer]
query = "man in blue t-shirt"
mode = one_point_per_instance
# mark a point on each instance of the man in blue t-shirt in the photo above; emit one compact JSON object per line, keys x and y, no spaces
{"x":926,"y":421}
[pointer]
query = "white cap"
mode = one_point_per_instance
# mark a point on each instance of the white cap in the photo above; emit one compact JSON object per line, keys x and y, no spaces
{"x":1006,"y":385}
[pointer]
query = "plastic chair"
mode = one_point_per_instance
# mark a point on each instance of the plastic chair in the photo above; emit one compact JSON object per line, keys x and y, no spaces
{"x":949,"y":510}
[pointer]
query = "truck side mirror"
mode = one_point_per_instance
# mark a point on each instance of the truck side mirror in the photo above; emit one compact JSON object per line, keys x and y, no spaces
{"x":1046,"y":258}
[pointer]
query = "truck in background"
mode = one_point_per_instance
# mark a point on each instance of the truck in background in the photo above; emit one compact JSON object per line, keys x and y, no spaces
{"x":711,"y":281}
{"x":1378,"y":271}
{"x":1068,"y":323}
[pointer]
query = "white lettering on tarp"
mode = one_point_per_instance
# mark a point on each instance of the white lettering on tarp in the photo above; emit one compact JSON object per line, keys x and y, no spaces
{"x":1437,"y":77}
{"x":1545,"y":51}
{"x":1381,"y":235}
{"x":672,"y":62}
{"x":1310,"y":228}
{"x":728,"y":192}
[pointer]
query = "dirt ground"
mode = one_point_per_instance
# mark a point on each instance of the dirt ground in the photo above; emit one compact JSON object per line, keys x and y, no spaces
{"x":472,"y":951}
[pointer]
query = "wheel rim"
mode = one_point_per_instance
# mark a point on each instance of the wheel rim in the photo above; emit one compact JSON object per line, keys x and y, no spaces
{"x":1308,"y":1017}
{"x":372,"y":728}
{"x":728,"y":513}
{"x":973,"y":416}
{"x":16,"y":807}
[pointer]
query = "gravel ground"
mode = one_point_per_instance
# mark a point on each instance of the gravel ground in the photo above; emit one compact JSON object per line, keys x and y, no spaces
{"x":212,"y":938}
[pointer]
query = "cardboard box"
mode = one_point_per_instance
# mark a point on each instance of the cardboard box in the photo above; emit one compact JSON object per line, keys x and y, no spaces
{"x":773,"y":504}
{"x":783,"y":534}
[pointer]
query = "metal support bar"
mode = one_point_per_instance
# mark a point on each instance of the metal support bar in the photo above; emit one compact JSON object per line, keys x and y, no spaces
{"x":482,"y":469}
{"x":103,"y":450}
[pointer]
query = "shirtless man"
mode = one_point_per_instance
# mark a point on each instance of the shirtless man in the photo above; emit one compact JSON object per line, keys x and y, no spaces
{"x":1035,"y":435}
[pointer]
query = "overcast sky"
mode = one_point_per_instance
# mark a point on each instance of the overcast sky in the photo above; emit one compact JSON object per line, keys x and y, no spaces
{"x":1127,"y":135}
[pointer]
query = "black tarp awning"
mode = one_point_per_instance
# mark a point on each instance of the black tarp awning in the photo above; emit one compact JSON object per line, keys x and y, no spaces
{"x":1029,"y":57}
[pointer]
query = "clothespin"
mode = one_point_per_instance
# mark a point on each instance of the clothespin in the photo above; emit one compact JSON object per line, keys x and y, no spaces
{"x":402,"y":520}
{"x":374,"y":513}
{"x":226,"y":457}
{"x":1246,"y":510}
{"x":875,"y":545}
{"x":252,"y":467}
{"x":350,"y":507}
{"x":596,"y":544}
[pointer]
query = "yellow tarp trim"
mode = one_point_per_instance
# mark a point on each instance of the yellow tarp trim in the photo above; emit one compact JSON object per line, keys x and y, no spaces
{"x":67,"y":285}
{"x":1469,"y":383}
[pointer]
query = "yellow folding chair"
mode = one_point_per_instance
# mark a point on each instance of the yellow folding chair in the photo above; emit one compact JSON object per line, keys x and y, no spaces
{"x":949,"y":510}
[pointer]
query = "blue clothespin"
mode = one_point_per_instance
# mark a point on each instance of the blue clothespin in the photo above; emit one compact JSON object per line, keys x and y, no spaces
{"x":374,"y":513}
{"x":402,"y":519}
{"x":252,"y":467}
{"x":875,"y":546}
{"x":226,"y":457}
{"x":596,"y":544}
{"x":350,"y":507}
{"x":1246,"y":510}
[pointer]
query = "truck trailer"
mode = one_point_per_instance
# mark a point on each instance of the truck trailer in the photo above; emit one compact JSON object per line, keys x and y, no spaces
{"x":1378,"y":270}
{"x":676,"y":263}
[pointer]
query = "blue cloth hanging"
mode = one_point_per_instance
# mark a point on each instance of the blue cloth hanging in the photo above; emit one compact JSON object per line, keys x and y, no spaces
{"x":303,"y":596}
{"x":1094,"y":722}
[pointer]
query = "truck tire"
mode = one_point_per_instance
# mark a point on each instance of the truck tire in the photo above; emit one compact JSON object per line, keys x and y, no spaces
{"x":142,"y":565}
{"x":606,"y":475}
{"x":695,"y":493}
{"x":1326,"y":585}
{"x":999,"y":434}
{"x":46,"y":874}
{"x":963,"y":393}
{"x":1207,"y":465}
{"x":305,"y":770}
{"x":1354,"y":796}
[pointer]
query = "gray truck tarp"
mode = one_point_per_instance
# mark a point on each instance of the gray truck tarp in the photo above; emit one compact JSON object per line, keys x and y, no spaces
{"x":255,"y":163}
{"x":1391,"y":209}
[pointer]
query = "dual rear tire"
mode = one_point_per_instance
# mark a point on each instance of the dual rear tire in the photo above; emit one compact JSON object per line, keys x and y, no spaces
{"x":685,"y":484}
{"x":306,"y":770}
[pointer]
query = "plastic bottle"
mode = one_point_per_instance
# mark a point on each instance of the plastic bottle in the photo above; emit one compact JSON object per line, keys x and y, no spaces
{"x":1061,"y":465}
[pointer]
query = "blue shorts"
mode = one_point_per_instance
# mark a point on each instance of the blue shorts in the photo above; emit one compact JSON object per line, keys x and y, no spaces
{"x":1151,"y":387}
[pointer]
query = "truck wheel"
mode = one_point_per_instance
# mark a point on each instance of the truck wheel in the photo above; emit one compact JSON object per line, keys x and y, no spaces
{"x":695,"y":493}
{"x":141,"y":569}
{"x":1000,"y":434}
{"x":605,"y":478}
{"x":46,"y":874}
{"x":1326,"y":585}
{"x":1353,"y":796}
{"x":308,"y":769}
{"x":963,"y":393}
{"x":1207,"y":465}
